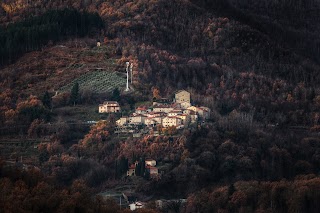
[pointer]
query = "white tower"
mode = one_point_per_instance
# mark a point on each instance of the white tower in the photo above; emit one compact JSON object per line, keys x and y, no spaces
{"x":127,"y":69}
{"x":131,"y":66}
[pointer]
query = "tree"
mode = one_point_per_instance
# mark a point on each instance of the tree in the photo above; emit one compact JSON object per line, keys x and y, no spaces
{"x":74,"y":97}
{"x":46,"y":100}
{"x":155,"y":93}
{"x":35,"y":129}
{"x":172,"y":130}
{"x":116,"y":95}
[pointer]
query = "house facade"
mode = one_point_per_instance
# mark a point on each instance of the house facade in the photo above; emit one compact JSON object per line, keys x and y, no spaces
{"x":137,"y":119}
{"x":202,"y":112}
{"x":185,"y":119}
{"x":153,"y":171}
{"x":150,"y":122}
{"x":109,"y":107}
{"x":122,"y":121}
{"x":136,"y":205}
{"x":175,"y":112}
{"x":185,"y":105}
{"x":131,"y":171}
{"x":162,"y":108}
{"x":142,"y":110}
{"x":171,"y":121}
{"x":182,"y":96}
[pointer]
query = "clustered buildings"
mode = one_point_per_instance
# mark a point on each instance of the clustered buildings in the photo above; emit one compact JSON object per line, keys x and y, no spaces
{"x":178,"y":113}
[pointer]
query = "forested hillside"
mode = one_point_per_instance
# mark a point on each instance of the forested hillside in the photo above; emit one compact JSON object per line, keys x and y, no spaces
{"x":35,"y":32}
{"x":255,"y":64}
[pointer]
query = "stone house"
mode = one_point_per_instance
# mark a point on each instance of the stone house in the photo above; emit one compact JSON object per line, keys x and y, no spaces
{"x":137,"y":119}
{"x":202,"y":112}
{"x":182,"y":96}
{"x":150,"y":122}
{"x":122,"y":121}
{"x":185,"y":105}
{"x":142,"y":110}
{"x":175,"y":112}
{"x":163,"y":108}
{"x":171,"y":121}
{"x":185,"y":119}
{"x":109,"y":107}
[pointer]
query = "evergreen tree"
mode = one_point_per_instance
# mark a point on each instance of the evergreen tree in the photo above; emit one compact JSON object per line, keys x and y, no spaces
{"x":34,"y":32}
{"x":138,"y":169}
{"x":143,"y":167}
{"x":46,"y":100}
{"x":74,"y":97}
{"x":116,"y":95}
{"x":122,"y":166}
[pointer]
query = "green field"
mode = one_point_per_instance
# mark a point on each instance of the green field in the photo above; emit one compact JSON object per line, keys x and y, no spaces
{"x":98,"y":82}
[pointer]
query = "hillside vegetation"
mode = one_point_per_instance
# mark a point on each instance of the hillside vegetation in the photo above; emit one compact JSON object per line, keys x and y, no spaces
{"x":34,"y":32}
{"x":255,"y":64}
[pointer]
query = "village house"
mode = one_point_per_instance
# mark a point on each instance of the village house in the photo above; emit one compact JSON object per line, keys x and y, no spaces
{"x":162,"y":101}
{"x":150,"y":162}
{"x":122,"y":121}
{"x":185,"y":105}
{"x":163,"y":108}
{"x":142,"y":110}
{"x":192,"y":108}
{"x":132,"y":169}
{"x":136,"y":205}
{"x":185,"y":119}
{"x":150,"y":122}
{"x":175,"y":112}
{"x":202,"y":112}
{"x":109,"y":107}
{"x":158,"y":119}
{"x":193,"y":116}
{"x":171,"y":121}
{"x":153,"y":171}
{"x":182,"y":96}
{"x":156,"y":114}
{"x":137,"y":119}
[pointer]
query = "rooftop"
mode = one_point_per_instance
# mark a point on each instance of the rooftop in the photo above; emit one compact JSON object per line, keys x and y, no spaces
{"x":163,"y":106}
{"x":110,"y":102}
{"x":181,"y":91}
{"x":142,"y":108}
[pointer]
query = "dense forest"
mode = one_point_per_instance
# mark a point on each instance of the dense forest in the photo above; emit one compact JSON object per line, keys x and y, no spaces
{"x":32,"y":33}
{"x":255,"y":64}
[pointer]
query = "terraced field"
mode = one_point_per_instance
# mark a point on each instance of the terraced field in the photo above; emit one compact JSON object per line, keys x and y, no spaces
{"x":98,"y":81}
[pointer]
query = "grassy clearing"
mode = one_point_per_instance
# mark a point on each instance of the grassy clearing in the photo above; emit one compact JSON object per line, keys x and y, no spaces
{"x":79,"y":113}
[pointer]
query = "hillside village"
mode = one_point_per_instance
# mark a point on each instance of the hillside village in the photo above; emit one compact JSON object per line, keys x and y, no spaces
{"x":178,"y":113}
{"x":219,"y":110}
